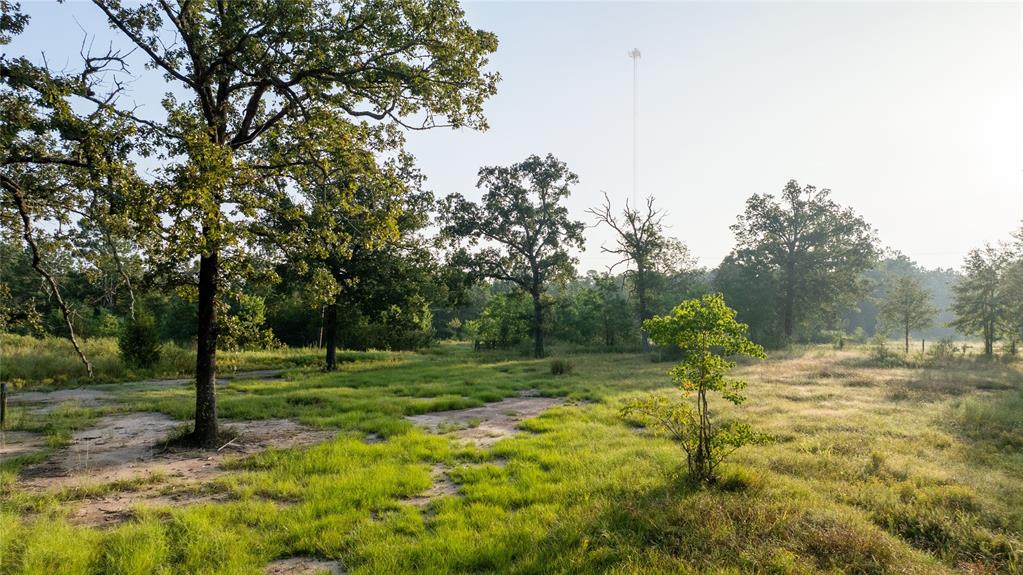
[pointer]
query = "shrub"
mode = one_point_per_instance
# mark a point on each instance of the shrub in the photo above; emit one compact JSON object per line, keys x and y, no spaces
{"x":139,"y":343}
{"x":561,"y":367}
{"x":706,"y":332}
{"x":944,"y":350}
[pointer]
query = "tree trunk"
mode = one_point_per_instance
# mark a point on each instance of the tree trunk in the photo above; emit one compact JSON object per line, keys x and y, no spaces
{"x":989,"y":340}
{"x":330,"y":331}
{"x":205,"y":432}
{"x":789,"y":312}
{"x":641,"y":296}
{"x":907,"y":339}
{"x":538,"y":350}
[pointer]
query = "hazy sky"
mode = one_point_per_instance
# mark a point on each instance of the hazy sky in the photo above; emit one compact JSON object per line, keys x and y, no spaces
{"x":911,"y":113}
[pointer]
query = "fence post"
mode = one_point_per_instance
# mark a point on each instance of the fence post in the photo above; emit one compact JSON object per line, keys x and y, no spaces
{"x":3,"y":405}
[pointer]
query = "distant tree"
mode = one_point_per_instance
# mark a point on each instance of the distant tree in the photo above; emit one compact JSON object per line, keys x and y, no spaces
{"x":977,"y":298}
{"x":613,"y":307}
{"x":504,"y":321}
{"x":1012,"y":291}
{"x":353,"y":215}
{"x":139,"y":343}
{"x":247,"y":70}
{"x":706,"y":332}
{"x":640,"y":239}
{"x":908,"y":306}
{"x":818,"y":249}
{"x":524,"y":229}
{"x":752,"y":288}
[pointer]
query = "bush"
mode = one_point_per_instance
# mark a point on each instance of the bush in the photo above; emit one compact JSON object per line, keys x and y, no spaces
{"x":561,"y":367}
{"x":945,"y":350}
{"x":139,"y":343}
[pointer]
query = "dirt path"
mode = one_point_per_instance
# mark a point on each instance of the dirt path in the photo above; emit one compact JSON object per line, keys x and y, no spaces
{"x":130,"y":449}
{"x":485,"y":425}
{"x":482,"y":426}
{"x":303,"y":566}
{"x":441,"y":486}
{"x":46,"y":401}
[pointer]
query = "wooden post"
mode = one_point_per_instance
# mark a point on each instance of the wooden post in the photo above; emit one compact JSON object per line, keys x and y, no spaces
{"x":3,"y":405}
{"x":923,"y":345}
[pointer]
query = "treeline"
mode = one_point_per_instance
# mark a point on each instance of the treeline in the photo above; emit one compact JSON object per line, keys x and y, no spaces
{"x":414,"y":298}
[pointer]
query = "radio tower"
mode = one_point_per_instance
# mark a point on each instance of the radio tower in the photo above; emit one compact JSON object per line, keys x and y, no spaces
{"x":635,"y":55}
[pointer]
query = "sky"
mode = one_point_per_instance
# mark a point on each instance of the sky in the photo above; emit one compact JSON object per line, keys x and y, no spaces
{"x":911,"y":113}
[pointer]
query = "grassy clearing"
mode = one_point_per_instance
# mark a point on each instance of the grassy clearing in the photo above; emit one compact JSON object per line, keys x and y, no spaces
{"x":874,"y":470}
{"x":28,"y":361}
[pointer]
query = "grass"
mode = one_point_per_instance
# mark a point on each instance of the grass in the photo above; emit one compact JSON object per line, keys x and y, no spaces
{"x":27,"y":361}
{"x":874,"y":470}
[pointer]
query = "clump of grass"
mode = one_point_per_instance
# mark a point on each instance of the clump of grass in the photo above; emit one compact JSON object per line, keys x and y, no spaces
{"x":560,"y":366}
{"x":995,"y":421}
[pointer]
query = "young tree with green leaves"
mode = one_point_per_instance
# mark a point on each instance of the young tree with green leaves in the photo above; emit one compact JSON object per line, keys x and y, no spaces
{"x":818,"y":249}
{"x":520,"y":232}
{"x":640,"y":238}
{"x":908,"y":306}
{"x":706,"y":332}
{"x":977,"y":299}
{"x":252,"y":70}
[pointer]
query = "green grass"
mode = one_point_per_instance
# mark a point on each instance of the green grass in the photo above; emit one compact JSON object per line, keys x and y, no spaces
{"x":874,"y":470}
{"x":27,"y":361}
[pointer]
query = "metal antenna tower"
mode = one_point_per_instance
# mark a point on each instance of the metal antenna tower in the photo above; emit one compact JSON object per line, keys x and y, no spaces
{"x":635,"y":55}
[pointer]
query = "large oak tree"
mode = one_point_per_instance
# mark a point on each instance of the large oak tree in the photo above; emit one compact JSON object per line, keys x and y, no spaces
{"x":520,"y":231}
{"x":242,"y":69}
{"x":817,"y":248}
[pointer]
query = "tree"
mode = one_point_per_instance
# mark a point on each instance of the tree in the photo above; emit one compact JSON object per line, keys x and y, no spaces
{"x":526,"y":231}
{"x":250,"y":69}
{"x":64,"y":155}
{"x":640,"y":239}
{"x":354,"y":215}
{"x":1012,"y":290}
{"x":977,"y":302}
{"x":706,"y":332}
{"x":908,"y":306}
{"x":818,"y":249}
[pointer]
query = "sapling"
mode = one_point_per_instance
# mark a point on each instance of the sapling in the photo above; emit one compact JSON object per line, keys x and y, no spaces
{"x":706,"y":332}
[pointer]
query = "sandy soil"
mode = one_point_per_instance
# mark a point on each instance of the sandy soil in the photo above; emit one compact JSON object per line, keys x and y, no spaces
{"x":495,"y":420}
{"x":303,"y":566}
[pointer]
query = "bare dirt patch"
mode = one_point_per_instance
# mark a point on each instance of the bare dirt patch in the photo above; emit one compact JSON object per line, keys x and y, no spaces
{"x":130,"y":449}
{"x":303,"y":566}
{"x":485,"y":425}
{"x":222,"y":378}
{"x":46,"y":401}
{"x":15,"y":443}
{"x":119,"y":507}
{"x":442,"y":485}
